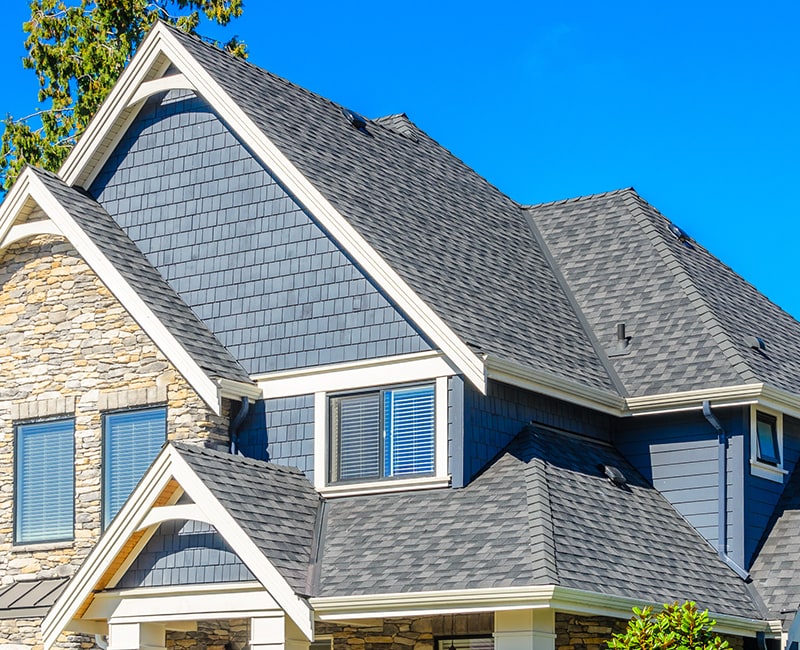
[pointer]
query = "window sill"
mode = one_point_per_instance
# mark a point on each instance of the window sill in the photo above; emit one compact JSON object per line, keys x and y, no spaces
{"x":767,"y":471}
{"x":22,"y":547}
{"x":381,"y":487}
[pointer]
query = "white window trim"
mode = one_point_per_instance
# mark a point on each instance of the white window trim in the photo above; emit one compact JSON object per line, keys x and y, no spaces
{"x":321,"y":438}
{"x":759,"y":468}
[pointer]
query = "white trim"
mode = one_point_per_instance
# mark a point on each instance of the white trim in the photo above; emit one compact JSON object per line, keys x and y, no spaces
{"x":354,"y":375}
{"x":517,"y":374}
{"x":323,"y":438}
{"x":160,"y":40}
{"x":162,"y":84}
{"x":384,"y":486}
{"x":235,"y":390}
{"x":160,"y":514}
{"x":758,"y":467}
{"x":170,"y":465}
{"x":320,"y":440}
{"x":160,"y":606}
{"x":30,"y":229}
{"x":563,"y":599}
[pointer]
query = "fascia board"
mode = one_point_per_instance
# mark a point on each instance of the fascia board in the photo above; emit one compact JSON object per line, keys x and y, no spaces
{"x":83,"y":163}
{"x":522,"y":376}
{"x":295,"y":607}
{"x":502,"y":599}
{"x":235,"y":390}
{"x":83,"y":583}
{"x":77,"y":168}
{"x":693,"y":399}
{"x":206,"y":388}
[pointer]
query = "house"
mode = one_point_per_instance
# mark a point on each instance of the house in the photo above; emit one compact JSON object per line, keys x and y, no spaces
{"x":277,"y":375}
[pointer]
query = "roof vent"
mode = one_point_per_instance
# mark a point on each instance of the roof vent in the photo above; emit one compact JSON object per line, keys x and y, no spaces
{"x":755,"y":342}
{"x":355,"y":119}
{"x":680,"y":234}
{"x":613,"y":474}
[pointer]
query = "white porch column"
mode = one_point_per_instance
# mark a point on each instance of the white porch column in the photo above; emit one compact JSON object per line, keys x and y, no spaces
{"x":275,"y":632}
{"x":136,"y":636}
{"x":526,"y":629}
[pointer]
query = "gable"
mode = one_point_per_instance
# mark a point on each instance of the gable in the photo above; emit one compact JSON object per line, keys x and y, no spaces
{"x":268,"y":281}
{"x":185,"y":552}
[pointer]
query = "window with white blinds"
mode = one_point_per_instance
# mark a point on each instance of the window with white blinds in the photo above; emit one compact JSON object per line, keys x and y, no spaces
{"x":131,"y":441}
{"x":383,"y":433}
{"x":44,"y":482}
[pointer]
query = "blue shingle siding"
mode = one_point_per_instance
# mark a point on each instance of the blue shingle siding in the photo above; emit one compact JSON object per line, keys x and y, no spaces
{"x":264,"y":277}
{"x":492,"y":420}
{"x":185,"y":552}
{"x":290,"y":432}
{"x":761,"y":495}
{"x":679,"y":455}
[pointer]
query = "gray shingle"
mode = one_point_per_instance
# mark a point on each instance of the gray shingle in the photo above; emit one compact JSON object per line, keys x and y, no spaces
{"x":462,"y":245}
{"x":275,"y":505}
{"x":542,"y":513}
{"x":190,"y":332}
{"x":686,"y":312}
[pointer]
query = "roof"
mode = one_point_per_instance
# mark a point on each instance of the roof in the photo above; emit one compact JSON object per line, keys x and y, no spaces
{"x":531,"y":518}
{"x":275,"y":505}
{"x":776,"y":567}
{"x":686,"y":312}
{"x":30,"y":598}
{"x":463,"y":246}
{"x":123,"y":253}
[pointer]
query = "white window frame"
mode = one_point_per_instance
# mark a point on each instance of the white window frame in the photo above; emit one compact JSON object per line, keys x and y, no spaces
{"x":759,"y":468}
{"x":385,"y":372}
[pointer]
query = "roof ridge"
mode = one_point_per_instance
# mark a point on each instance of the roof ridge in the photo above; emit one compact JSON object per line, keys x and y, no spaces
{"x":585,"y":197}
{"x":711,"y":322}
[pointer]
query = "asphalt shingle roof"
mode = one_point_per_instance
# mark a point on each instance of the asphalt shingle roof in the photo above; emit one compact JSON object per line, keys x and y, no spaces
{"x":687,"y":313}
{"x":275,"y":505}
{"x":461,"y":244}
{"x":107,"y":235}
{"x":776,"y":568}
{"x":542,"y":513}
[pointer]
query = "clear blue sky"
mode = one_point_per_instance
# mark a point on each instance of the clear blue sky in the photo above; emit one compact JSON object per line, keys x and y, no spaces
{"x":695,"y":104}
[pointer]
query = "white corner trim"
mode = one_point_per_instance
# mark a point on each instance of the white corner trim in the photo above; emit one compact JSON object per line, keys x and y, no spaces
{"x":154,"y":86}
{"x":354,"y":375}
{"x":30,"y":229}
{"x":206,"y":388}
{"x":161,"y":41}
{"x":442,"y":404}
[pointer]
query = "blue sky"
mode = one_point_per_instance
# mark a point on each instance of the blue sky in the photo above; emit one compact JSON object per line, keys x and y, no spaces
{"x":695,"y":104}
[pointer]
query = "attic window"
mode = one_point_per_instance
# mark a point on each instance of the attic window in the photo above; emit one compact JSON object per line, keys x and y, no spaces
{"x":766,"y":444}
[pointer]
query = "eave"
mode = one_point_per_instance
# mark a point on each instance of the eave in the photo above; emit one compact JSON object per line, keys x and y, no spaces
{"x":561,"y":599}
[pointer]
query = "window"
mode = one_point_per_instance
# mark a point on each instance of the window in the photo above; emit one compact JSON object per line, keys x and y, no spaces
{"x":131,"y":441}
{"x":382,"y":434}
{"x":766,"y":444}
{"x":44,"y":482}
{"x":465,"y":643}
{"x":767,"y":438}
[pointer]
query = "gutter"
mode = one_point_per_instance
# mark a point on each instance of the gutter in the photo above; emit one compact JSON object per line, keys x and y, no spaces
{"x":560,"y":599}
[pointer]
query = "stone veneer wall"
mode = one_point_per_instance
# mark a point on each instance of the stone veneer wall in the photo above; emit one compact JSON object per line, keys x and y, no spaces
{"x":68,"y":348}
{"x":405,"y":633}
{"x":592,"y":632}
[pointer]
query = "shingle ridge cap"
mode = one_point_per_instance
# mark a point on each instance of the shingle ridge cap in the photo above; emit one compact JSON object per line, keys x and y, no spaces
{"x":636,"y":206}
{"x":585,"y":197}
{"x":201,"y":450}
{"x":258,"y":69}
